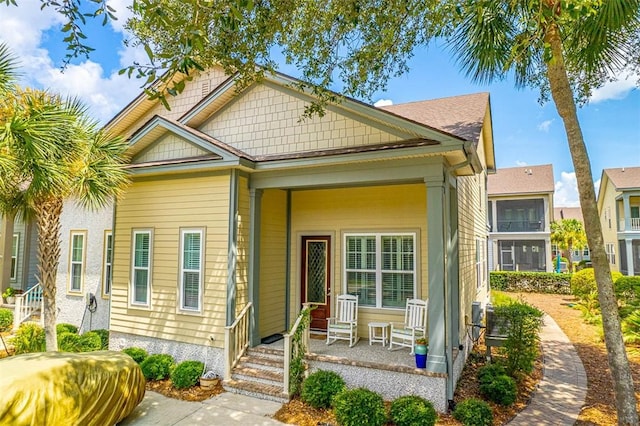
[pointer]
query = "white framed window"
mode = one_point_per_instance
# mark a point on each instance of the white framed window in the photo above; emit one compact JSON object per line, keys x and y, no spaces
{"x":380,"y":268}
{"x":585,"y":251}
{"x":107,"y":263}
{"x":191,"y":269}
{"x":611,"y":253}
{"x":76,"y":261}
{"x":14,"y":256}
{"x":142,"y":242}
{"x":481,"y":263}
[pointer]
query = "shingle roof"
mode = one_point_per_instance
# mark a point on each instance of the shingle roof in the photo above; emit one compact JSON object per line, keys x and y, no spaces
{"x":521,"y":180}
{"x":560,"y":213}
{"x":461,"y":115}
{"x":625,"y":177}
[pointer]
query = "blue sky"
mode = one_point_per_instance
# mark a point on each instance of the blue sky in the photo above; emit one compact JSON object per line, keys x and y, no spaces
{"x":525,"y":132}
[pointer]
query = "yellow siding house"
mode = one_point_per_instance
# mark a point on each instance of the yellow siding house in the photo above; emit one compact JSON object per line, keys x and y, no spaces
{"x":240,"y":207}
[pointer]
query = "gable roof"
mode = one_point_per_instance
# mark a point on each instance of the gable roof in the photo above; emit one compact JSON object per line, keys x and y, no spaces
{"x":560,"y":213}
{"x":624,"y":177}
{"x":521,"y":180}
{"x":459,"y":115}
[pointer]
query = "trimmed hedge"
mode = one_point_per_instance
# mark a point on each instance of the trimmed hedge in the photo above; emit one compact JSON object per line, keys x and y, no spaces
{"x":530,"y":282}
{"x":319,"y":389}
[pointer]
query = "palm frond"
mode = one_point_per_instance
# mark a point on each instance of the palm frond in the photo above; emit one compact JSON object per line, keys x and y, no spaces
{"x":8,"y":68}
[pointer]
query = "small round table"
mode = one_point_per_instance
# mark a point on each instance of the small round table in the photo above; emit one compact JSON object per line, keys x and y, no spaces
{"x":374,"y":337}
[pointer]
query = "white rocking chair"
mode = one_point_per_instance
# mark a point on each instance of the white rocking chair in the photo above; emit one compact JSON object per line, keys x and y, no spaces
{"x":344,"y":325}
{"x":415,"y":325}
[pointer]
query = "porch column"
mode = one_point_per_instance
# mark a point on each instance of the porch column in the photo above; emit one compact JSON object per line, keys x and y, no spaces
{"x":6,"y":247}
{"x":255,"y":213}
{"x":232,"y":256}
{"x":436,"y":249}
{"x":627,"y":214}
{"x":630,"y":267}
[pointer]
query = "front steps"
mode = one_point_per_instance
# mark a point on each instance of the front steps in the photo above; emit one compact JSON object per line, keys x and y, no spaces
{"x":259,"y":373}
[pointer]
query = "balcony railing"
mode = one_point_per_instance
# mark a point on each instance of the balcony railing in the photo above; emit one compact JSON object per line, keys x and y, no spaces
{"x":634,"y":224}
{"x":520,"y":226}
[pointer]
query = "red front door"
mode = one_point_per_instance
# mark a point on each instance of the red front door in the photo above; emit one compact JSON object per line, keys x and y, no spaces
{"x":316,"y":278}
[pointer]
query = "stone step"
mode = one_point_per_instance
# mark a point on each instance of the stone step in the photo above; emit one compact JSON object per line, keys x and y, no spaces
{"x":266,"y":352}
{"x":259,"y":375}
{"x":262,"y":362}
{"x":257,"y":390}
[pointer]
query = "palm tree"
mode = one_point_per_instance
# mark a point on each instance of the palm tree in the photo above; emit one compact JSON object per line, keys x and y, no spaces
{"x":567,"y":47}
{"x":53,"y":151}
{"x":568,"y":234}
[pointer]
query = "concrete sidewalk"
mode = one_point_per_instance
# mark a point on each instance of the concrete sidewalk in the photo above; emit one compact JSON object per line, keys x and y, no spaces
{"x":224,"y":409}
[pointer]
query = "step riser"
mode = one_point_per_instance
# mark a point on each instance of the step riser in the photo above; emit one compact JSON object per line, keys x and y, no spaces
{"x":248,"y":378}
{"x":255,"y":394}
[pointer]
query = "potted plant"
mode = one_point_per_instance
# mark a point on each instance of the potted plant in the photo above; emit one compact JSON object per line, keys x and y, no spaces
{"x":209,"y":380}
{"x":420,"y":349}
{"x":10,"y":295}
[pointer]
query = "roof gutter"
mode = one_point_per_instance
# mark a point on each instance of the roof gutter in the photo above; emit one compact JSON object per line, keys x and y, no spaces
{"x":472,"y":156}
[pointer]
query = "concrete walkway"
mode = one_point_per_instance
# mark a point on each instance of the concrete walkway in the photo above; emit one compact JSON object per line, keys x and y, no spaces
{"x":557,"y":401}
{"x":224,"y":409}
{"x":563,"y":388}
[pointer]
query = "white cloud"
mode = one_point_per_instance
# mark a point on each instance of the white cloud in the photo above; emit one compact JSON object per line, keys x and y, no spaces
{"x":24,"y":28}
{"x":383,"y":102}
{"x":521,"y":163}
{"x":566,"y":194}
{"x":596,"y":186}
{"x":614,"y":90}
{"x":545,"y":125}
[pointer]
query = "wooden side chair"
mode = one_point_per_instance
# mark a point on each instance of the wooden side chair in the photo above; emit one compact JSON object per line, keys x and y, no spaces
{"x":344,"y":325}
{"x":415,"y":325}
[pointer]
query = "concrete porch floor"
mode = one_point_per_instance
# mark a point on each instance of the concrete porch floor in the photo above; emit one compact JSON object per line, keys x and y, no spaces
{"x":362,"y":351}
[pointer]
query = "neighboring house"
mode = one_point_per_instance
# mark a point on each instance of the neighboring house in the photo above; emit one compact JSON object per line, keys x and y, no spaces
{"x":238,"y":202}
{"x":520,"y":209}
{"x":619,"y":209}
{"x":560,"y":213}
{"x":83,"y":267}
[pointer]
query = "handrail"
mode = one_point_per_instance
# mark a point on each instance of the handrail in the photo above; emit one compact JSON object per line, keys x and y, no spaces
{"x":236,"y":340}
{"x":289,"y":349}
{"x":27,"y":304}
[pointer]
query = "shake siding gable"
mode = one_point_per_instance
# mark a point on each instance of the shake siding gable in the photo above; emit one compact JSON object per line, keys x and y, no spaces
{"x":266,"y":121}
{"x":168,"y":148}
{"x":198,"y":202}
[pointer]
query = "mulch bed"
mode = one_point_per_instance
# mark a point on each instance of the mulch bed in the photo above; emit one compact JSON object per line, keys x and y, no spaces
{"x":194,"y":393}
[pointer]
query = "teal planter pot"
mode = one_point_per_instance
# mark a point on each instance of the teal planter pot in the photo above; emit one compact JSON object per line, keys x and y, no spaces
{"x":420,"y":349}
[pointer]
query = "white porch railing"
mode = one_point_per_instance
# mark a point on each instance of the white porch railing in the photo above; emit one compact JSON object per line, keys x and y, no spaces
{"x":289,"y":348}
{"x":27,"y":304}
{"x":236,"y":340}
{"x":634,"y":223}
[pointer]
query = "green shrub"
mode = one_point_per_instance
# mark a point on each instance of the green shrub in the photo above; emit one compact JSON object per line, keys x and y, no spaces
{"x":320,"y":387}
{"x":500,"y":389}
{"x":473,"y":412}
{"x":359,"y":407}
{"x":90,"y":342}
{"x":104,"y":338}
{"x":66,"y":328}
{"x":138,"y":354}
{"x":29,"y":338}
{"x":186,"y":374}
{"x":628,"y":291}
{"x":490,"y":371}
{"x":583,"y":283}
{"x":631,"y":328}
{"x":412,"y":410}
{"x":6,"y":319}
{"x":157,"y":367}
{"x":69,"y":342}
{"x":523,"y":336}
{"x":530,"y":282}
